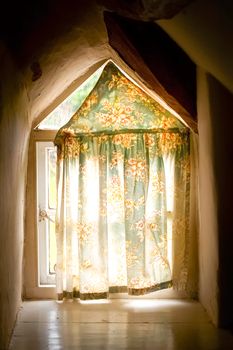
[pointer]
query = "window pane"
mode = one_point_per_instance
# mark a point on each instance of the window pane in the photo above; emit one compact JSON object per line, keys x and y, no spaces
{"x":52,"y":158}
{"x":52,"y":248}
{"x":62,"y":114}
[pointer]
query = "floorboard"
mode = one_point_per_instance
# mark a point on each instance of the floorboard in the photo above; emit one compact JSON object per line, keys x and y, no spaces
{"x":117,"y":324}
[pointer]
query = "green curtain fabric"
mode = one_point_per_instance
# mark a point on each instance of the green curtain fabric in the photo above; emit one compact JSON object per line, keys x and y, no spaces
{"x":123,"y":194}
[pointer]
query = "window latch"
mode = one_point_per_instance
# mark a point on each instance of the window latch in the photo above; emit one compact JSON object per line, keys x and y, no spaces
{"x":44,"y":215}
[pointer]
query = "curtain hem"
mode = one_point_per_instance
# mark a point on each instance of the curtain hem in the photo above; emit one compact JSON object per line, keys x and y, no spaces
{"x":113,"y":289}
{"x":142,"y":291}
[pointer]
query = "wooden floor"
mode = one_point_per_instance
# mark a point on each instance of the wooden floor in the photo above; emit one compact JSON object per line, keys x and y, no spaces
{"x":117,"y":324}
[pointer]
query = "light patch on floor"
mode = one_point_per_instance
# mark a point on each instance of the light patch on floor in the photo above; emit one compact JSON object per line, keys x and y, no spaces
{"x":117,"y":324}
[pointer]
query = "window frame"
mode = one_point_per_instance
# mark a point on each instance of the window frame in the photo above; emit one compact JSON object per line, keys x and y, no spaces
{"x":32,"y":289}
{"x":31,"y":286}
{"x":44,"y":213}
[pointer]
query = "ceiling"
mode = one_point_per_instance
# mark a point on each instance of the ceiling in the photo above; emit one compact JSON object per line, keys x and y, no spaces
{"x":53,"y":42}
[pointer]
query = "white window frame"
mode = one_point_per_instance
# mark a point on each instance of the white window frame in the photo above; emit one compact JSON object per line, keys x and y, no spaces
{"x":44,"y":213}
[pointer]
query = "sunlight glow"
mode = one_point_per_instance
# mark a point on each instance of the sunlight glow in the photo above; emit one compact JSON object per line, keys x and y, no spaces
{"x":150,"y":303}
{"x":92,"y":185}
{"x":64,"y":111}
{"x":169,"y":177}
{"x":95,"y":301}
{"x":135,"y":78}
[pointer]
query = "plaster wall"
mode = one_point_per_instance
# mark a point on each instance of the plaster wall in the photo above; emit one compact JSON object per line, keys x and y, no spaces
{"x":204,"y":31}
{"x":66,"y":59}
{"x":208,"y":233}
{"x":215,"y":110}
{"x":14,"y":131}
{"x":221,"y":109}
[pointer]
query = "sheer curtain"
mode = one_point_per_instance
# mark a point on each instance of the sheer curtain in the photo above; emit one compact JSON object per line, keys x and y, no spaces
{"x":122,"y":220}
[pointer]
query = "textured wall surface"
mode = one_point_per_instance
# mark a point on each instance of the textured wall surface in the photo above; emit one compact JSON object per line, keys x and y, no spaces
{"x":221,"y":111}
{"x":215,"y":110}
{"x":204,"y":30}
{"x":14,"y":131}
{"x":67,"y":57}
{"x":146,"y":10}
{"x":208,"y":235}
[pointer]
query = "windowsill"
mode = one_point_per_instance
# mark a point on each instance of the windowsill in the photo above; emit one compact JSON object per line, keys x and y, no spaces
{"x":47,"y":286}
{"x":40,"y":292}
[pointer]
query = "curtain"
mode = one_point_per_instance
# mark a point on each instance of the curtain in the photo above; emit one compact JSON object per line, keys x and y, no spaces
{"x":123,"y":179}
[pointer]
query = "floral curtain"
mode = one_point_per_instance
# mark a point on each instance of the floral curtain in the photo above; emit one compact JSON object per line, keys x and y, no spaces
{"x":122,"y":220}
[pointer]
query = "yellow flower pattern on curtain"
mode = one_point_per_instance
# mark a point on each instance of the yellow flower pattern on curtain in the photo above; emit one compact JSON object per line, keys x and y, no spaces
{"x":123,"y":183}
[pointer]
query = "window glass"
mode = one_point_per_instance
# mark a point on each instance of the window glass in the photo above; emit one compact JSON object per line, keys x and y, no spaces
{"x":52,"y":248}
{"x":62,"y":114}
{"x":51,"y":164}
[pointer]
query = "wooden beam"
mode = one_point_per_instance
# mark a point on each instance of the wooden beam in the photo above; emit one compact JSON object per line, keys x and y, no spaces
{"x":121,"y":43}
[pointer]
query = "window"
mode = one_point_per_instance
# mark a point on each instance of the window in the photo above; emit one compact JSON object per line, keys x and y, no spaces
{"x":46,"y":168}
{"x":46,"y":179}
{"x":115,"y":200}
{"x":46,"y":155}
{"x":46,"y":203}
{"x":62,"y":114}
